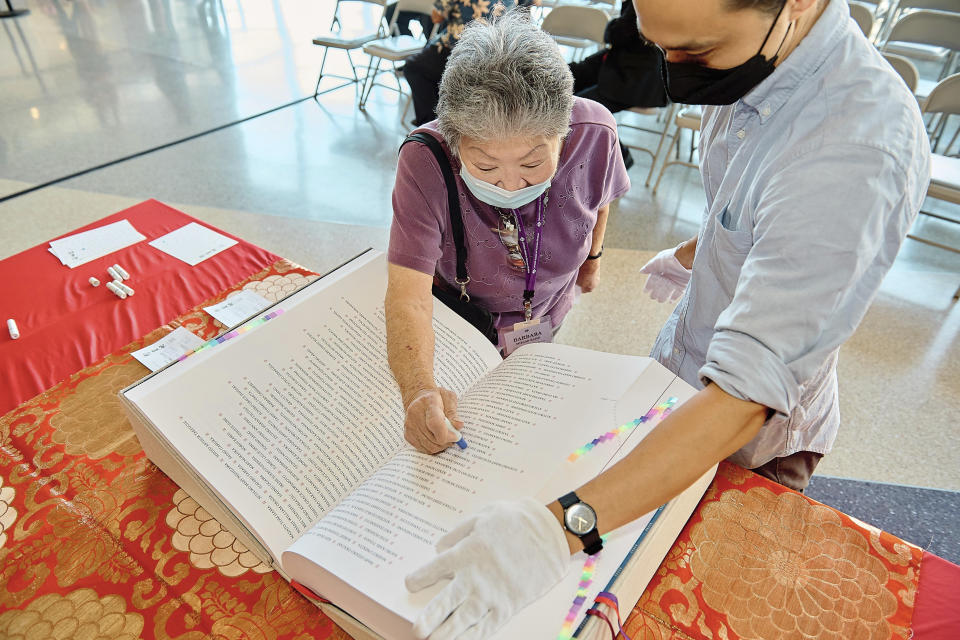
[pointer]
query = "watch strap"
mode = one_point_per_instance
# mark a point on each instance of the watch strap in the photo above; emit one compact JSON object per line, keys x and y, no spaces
{"x":568,"y":500}
{"x":592,"y":542}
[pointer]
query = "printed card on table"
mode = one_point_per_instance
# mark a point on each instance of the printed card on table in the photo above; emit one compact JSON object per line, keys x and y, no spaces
{"x":238,"y":307}
{"x":81,"y":248}
{"x":167,"y":349}
{"x":193,"y":243}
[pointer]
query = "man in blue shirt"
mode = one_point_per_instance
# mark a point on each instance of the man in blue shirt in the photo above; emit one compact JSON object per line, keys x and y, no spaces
{"x":815,"y":162}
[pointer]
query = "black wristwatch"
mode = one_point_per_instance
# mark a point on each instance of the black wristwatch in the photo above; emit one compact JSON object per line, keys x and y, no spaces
{"x":580,"y":519}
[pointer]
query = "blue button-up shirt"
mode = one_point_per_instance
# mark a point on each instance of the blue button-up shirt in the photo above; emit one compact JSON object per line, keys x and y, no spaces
{"x":812,"y":180}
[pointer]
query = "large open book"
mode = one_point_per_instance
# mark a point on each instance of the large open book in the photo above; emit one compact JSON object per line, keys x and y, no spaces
{"x":291,"y":435}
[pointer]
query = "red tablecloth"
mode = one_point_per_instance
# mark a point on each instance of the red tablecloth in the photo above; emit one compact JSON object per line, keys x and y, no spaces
{"x":936,"y":614}
{"x":66,"y":324}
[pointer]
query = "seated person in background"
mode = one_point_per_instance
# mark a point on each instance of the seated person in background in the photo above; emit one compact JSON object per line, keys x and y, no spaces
{"x":522,"y":148}
{"x":404,"y":18}
{"x":423,"y":71}
{"x":623,"y":76}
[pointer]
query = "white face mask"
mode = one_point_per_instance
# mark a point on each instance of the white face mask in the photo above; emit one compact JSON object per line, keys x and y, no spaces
{"x":498,"y":197}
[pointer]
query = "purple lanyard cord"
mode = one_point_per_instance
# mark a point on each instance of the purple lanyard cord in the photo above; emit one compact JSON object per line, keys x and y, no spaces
{"x":530,"y":262}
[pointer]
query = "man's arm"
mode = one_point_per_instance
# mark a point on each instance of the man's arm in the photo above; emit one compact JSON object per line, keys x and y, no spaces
{"x":701,"y":432}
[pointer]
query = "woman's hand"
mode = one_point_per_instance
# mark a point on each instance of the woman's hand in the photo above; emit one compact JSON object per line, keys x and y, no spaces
{"x":430,"y":415}
{"x":589,"y":275}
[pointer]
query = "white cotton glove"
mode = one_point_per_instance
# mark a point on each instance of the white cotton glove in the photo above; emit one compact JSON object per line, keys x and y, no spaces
{"x":499,"y":560}
{"x":667,"y":277}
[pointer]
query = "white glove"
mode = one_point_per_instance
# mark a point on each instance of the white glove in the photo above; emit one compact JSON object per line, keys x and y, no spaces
{"x":667,"y":277}
{"x":499,"y":560}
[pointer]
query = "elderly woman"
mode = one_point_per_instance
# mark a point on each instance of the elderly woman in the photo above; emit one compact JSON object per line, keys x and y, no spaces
{"x":536,"y":170}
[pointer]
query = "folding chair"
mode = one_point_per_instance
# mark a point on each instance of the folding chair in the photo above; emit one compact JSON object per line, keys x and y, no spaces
{"x":864,"y":18}
{"x":906,"y":69}
{"x":944,"y":169}
{"x":898,"y":9}
{"x":688,"y":118}
{"x":394,"y":48}
{"x":575,"y":26}
{"x":347,"y":38}
{"x":936,"y":29}
{"x":663,"y":114}
{"x":880,"y":10}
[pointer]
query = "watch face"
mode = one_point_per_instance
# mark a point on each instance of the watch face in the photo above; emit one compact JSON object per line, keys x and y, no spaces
{"x":580,"y":518}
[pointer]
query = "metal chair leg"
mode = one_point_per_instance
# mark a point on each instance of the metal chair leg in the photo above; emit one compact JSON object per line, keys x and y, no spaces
{"x":368,"y":81}
{"x":663,"y":136}
{"x":664,"y":166}
{"x":316,"y":90}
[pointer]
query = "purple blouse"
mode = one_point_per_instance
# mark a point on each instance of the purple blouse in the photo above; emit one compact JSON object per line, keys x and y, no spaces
{"x":590,"y":174}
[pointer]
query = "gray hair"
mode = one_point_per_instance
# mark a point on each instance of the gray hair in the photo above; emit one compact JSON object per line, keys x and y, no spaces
{"x":505,"y":78}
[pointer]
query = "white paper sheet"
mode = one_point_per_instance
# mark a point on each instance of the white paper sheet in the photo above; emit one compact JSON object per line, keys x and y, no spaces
{"x":238,"y":307}
{"x":167,"y":349}
{"x":83,"y":247}
{"x":193,"y":243}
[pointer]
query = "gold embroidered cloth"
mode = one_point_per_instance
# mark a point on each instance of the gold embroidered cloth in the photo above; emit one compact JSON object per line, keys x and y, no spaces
{"x":96,"y":542}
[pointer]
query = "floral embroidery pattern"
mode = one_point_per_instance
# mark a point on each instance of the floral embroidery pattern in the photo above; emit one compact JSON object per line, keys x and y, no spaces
{"x":209,"y":544}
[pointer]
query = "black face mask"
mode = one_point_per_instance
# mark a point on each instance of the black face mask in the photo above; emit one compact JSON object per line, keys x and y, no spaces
{"x":688,"y":83}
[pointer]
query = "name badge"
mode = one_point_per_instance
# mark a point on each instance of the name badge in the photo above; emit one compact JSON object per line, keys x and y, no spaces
{"x":536,"y":330}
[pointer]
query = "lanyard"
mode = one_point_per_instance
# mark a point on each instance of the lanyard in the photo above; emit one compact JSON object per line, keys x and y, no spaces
{"x":530,"y":262}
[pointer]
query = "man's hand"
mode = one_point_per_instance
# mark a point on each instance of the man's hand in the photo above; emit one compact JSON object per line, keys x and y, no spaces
{"x":498,"y":561}
{"x":667,"y":276}
{"x":431,"y":420}
{"x":589,"y":275}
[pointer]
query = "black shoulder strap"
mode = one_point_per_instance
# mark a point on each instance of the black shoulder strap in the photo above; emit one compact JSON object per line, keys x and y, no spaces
{"x":453,"y":202}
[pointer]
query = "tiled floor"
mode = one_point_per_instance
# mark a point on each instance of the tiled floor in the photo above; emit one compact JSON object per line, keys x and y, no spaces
{"x":90,"y":82}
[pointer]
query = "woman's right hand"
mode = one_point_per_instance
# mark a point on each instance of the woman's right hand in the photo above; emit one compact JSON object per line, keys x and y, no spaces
{"x":430,"y":414}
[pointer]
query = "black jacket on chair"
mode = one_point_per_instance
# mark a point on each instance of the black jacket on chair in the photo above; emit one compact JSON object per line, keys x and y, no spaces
{"x":628,"y":72}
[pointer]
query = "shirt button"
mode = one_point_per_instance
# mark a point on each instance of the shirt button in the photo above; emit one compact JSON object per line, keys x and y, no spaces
{"x":765,"y":111}
{"x":676,"y":349}
{"x":741,"y":134}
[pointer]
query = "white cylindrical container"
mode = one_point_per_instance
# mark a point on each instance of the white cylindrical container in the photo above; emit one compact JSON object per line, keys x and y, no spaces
{"x":117,"y":291}
{"x":12,"y":328}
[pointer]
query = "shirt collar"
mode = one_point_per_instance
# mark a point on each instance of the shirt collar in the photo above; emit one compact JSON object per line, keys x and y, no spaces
{"x":771,"y":94}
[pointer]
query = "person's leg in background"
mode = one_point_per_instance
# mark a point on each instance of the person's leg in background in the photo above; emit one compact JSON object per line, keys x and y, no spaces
{"x":423,"y":72}
{"x":791,"y":471}
{"x":586,"y":74}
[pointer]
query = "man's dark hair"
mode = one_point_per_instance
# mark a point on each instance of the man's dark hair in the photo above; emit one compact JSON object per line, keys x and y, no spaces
{"x":767,"y":6}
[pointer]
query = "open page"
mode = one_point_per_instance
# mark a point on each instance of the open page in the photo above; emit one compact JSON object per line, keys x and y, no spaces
{"x":522,"y":422}
{"x":284,"y":420}
{"x":545,"y":617}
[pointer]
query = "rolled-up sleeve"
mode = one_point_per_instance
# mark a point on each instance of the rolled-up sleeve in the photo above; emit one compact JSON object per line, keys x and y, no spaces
{"x":826,"y":229}
{"x":419,"y":210}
